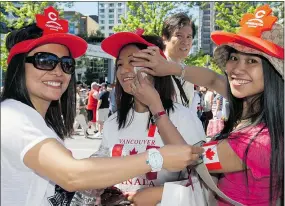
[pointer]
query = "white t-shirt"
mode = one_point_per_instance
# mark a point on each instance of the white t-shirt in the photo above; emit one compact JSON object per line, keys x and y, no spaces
{"x":188,"y":89}
{"x":22,"y":127}
{"x":134,"y":139}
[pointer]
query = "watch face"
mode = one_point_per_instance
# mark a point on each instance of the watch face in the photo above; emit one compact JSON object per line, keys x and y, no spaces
{"x":155,"y":160}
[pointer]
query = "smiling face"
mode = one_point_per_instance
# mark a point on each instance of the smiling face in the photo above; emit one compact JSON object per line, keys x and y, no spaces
{"x":47,"y":85}
{"x":245,"y":74}
{"x":180,"y":43}
{"x":125,"y":71}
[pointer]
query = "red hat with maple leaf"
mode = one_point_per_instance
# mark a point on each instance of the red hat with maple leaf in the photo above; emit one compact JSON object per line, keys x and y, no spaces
{"x":259,"y":34}
{"x":54,"y":31}
{"x":113,"y":44}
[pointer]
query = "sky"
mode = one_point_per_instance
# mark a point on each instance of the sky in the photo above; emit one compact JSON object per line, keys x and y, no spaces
{"x":85,"y":8}
{"x":91,"y":8}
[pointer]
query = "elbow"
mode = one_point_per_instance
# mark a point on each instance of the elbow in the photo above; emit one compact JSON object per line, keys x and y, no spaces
{"x":71,"y":182}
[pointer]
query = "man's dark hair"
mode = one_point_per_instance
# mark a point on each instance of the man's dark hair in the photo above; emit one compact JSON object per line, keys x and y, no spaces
{"x":177,"y":21}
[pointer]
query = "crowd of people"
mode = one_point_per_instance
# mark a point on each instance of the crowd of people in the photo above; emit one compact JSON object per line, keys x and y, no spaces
{"x":149,"y":120}
{"x":93,"y":107}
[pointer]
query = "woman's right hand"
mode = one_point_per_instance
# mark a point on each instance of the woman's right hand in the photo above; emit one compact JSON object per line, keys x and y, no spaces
{"x":178,"y":157}
{"x":154,"y":63}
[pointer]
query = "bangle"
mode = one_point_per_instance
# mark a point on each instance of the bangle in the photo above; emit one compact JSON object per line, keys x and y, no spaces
{"x":156,"y":116}
{"x":183,"y":70}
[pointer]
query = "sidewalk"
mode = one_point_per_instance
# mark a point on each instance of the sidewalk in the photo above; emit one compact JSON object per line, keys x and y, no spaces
{"x":82,"y":147}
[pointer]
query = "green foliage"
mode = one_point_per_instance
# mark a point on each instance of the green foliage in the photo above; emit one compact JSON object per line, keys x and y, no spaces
{"x":202,"y":60}
{"x":25,"y":15}
{"x":93,"y":38}
{"x":146,"y":15}
{"x":228,"y":18}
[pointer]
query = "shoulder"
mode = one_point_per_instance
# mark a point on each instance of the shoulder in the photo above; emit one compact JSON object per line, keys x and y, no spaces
{"x":17,"y":111}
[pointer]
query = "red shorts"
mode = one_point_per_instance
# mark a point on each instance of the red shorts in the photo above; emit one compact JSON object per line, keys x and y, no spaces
{"x":94,"y":115}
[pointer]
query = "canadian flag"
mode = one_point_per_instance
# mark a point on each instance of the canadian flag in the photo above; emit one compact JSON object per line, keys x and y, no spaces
{"x":210,"y":156}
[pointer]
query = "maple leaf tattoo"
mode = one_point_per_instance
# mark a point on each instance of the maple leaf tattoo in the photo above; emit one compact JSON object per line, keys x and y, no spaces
{"x":210,"y":154}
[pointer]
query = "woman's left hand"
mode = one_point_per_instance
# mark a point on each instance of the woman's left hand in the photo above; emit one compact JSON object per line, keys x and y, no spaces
{"x":144,"y":91}
{"x":147,"y":197}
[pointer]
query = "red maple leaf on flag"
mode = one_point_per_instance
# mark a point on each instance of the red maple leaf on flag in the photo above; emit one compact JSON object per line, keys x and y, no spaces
{"x":133,"y":152}
{"x":210,"y":154}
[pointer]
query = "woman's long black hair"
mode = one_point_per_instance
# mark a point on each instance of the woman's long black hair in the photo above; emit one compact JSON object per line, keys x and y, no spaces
{"x":268,"y":108}
{"x":163,"y":85}
{"x":61,"y":113}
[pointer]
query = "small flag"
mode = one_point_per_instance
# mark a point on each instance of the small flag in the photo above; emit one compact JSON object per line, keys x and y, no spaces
{"x":210,"y":156}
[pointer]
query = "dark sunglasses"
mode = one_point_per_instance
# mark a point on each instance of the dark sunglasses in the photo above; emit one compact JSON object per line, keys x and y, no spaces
{"x":48,"y":61}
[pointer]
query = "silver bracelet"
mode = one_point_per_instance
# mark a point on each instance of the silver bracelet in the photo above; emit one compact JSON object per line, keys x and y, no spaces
{"x":183,"y":70}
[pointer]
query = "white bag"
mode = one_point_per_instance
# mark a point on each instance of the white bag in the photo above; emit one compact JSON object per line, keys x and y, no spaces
{"x":200,"y":193}
{"x":178,"y":194}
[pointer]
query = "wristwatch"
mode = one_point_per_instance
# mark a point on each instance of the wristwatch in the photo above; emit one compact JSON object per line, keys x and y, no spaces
{"x":154,"y":160}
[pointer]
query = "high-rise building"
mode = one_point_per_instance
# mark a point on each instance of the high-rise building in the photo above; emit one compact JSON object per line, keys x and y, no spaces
{"x":109,"y":15}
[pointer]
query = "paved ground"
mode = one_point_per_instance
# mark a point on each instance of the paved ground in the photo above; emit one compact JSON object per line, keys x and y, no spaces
{"x":82,"y":147}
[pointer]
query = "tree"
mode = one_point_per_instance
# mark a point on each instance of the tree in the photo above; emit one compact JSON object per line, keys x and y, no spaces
{"x":93,"y":38}
{"x":150,"y":15}
{"x":24,"y":13}
{"x":201,"y":59}
{"x":228,"y":18}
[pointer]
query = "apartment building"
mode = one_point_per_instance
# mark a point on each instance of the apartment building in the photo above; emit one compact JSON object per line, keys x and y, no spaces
{"x":109,"y":15}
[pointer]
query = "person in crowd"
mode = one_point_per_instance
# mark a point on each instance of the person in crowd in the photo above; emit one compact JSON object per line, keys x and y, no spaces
{"x":91,"y":106}
{"x":80,"y":119}
{"x":251,"y":145}
{"x":102,"y":107}
{"x":195,"y":105}
{"x":207,"y":114}
{"x":37,"y":113}
{"x":217,"y":106}
{"x":132,"y":129}
{"x":112,"y":100}
{"x":178,"y":32}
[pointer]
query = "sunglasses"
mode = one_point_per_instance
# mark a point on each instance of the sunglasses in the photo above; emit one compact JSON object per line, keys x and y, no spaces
{"x":48,"y":62}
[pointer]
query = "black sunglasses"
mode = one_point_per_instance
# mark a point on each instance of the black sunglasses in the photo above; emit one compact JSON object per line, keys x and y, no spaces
{"x":48,"y":61}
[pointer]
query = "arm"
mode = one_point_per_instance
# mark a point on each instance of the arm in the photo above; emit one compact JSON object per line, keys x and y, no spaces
{"x":149,"y":196}
{"x":99,"y":103}
{"x":51,"y":159}
{"x":196,"y":75}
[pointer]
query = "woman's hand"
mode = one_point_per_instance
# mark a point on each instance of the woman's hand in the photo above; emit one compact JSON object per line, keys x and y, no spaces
{"x":147,"y":197}
{"x":144,"y":91}
{"x":178,"y":157}
{"x":155,"y":63}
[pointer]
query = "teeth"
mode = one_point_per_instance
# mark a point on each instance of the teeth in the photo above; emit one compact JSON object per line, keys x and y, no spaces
{"x":239,"y":81}
{"x":55,"y":84}
{"x":128,"y":78}
{"x":184,"y":49}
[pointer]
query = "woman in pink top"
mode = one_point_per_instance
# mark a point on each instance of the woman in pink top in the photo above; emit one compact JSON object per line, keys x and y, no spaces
{"x":251,"y":145}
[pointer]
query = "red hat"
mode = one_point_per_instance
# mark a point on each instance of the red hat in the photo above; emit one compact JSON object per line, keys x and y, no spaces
{"x":113,"y":44}
{"x":54,"y":31}
{"x":259,"y":34}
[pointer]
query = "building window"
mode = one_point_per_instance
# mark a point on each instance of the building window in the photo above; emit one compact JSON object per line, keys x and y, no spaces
{"x":110,"y":27}
{"x":102,"y":16}
{"x":120,"y":4}
{"x":102,"y":28}
{"x":120,"y":10}
{"x":111,"y":5}
{"x":102,"y":22}
{"x":111,"y":16}
{"x":111,"y":10}
{"x":111,"y":21}
{"x":102,"y":5}
{"x":102,"y":10}
{"x":119,"y":21}
{"x":206,"y":23}
{"x":207,"y":12}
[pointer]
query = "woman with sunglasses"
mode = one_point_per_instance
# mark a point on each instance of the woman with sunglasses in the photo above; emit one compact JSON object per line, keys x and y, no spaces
{"x":37,"y":113}
{"x":251,"y":145}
